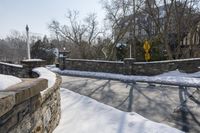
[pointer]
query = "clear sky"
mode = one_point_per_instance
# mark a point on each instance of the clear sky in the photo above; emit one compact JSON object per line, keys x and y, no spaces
{"x":15,"y":14}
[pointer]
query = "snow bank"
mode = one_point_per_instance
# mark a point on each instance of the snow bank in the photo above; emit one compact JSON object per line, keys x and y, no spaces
{"x":171,"y":78}
{"x":46,"y":74}
{"x":81,"y":114}
{"x":7,"y":81}
{"x":177,"y":73}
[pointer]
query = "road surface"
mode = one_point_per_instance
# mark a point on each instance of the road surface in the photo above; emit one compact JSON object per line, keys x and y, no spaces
{"x":156,"y":102}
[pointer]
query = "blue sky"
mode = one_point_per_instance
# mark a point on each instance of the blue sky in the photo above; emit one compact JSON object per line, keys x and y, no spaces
{"x":15,"y":14}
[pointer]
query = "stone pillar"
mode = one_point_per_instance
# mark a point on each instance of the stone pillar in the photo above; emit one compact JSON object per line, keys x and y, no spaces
{"x":128,"y":66}
{"x":28,"y":65}
{"x":62,"y":58}
{"x":62,"y":63}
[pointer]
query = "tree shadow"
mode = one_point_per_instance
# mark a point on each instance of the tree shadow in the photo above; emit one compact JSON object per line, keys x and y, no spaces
{"x":130,"y":103}
{"x":185,"y":111}
{"x":99,"y":88}
{"x":129,"y":98}
{"x":121,"y":123}
{"x":154,"y":102}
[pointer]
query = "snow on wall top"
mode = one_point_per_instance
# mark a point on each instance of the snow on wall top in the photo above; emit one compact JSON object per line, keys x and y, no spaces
{"x":168,"y":61}
{"x":46,"y":74}
{"x":32,"y":60}
{"x":103,"y":61}
{"x":7,"y":81}
{"x":152,"y":62}
{"x":9,"y":64}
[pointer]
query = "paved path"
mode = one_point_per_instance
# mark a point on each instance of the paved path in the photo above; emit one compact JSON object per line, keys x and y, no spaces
{"x":155,"y":102}
{"x":81,"y":114}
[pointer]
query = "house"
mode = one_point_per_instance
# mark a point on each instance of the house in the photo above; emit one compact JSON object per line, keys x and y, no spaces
{"x":145,"y":27}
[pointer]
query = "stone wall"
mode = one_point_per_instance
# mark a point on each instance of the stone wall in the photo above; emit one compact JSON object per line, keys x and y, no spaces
{"x":30,"y":106}
{"x":158,"y":67}
{"x":93,"y":65}
{"x":130,"y":67}
{"x":24,"y":70}
{"x":11,"y":69}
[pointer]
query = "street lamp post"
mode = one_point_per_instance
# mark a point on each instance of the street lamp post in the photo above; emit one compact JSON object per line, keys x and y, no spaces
{"x":64,"y":56}
{"x":27,"y":41}
{"x":130,"y":44}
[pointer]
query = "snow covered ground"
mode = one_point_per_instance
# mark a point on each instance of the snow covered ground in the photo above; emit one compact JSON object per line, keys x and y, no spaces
{"x":7,"y":81}
{"x":112,"y":119}
{"x":181,"y":74}
{"x":81,"y":114}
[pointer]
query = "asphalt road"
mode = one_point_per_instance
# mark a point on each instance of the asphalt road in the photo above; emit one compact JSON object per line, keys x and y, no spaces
{"x":156,"y":102}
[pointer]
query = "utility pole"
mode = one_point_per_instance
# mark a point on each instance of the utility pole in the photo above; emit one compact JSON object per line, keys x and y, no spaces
{"x":27,"y":41}
{"x":134,"y":22}
{"x":133,"y":44}
{"x":130,"y":52}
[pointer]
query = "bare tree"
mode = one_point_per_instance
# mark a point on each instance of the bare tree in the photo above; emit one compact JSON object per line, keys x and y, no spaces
{"x":120,"y":17}
{"x":83,"y":34}
{"x":14,"y":48}
{"x":92,"y":28}
{"x":168,"y":21}
{"x":116,"y":10}
{"x":173,"y":20}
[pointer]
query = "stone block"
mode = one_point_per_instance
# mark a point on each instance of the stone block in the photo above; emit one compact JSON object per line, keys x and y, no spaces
{"x":9,"y":123}
{"x":32,"y":63}
{"x":28,"y":89}
{"x":46,"y":116}
{"x":7,"y":101}
{"x":39,"y":128}
{"x":23,"y":126}
{"x":35,"y":103}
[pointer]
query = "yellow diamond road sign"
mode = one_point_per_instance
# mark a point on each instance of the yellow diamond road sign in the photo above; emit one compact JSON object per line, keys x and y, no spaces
{"x":146,"y":46}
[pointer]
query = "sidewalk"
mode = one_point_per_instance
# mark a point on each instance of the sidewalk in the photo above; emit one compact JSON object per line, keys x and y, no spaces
{"x":81,"y":114}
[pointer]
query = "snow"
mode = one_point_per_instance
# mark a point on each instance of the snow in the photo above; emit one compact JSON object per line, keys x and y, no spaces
{"x":103,"y":61}
{"x":13,"y":65}
{"x":81,"y":114}
{"x":177,"y":73}
{"x":168,"y":61}
{"x":121,"y":44}
{"x":7,"y":81}
{"x":170,"y":78}
{"x":46,"y":74}
{"x":32,"y":60}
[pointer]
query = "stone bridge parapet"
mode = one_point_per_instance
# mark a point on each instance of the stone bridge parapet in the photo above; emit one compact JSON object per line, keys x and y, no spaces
{"x":130,"y":66}
{"x":32,"y":105}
